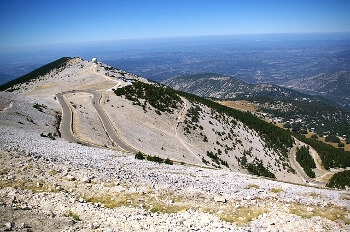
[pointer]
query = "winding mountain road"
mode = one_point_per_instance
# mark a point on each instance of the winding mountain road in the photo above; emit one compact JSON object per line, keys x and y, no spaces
{"x":181,"y":119}
{"x":299,"y":170}
{"x":107,"y":124}
{"x":67,"y":122}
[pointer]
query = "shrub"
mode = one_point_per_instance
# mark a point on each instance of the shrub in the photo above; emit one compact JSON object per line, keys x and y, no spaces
{"x":139,"y":156}
{"x":154,"y":159}
{"x":39,"y":107}
{"x":73,"y":215}
{"x":168,"y":161}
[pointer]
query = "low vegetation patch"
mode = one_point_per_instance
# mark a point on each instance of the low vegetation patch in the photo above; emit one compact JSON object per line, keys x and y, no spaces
{"x":251,"y":186}
{"x":243,"y":215}
{"x":39,"y":107}
{"x":276,"y":190}
{"x":162,"y":98}
{"x":73,"y":215}
{"x":26,"y":184}
{"x":332,"y":213}
{"x":139,"y":155}
{"x":159,"y":203}
{"x":49,"y":135}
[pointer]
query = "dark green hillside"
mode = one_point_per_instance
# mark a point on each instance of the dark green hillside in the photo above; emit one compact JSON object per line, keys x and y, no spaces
{"x":35,"y":74}
{"x":306,"y":161}
{"x":340,"y":180}
{"x":315,"y":115}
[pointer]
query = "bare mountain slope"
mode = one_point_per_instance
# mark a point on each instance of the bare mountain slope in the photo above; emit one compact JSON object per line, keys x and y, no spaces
{"x":50,"y":183}
{"x":154,"y":120}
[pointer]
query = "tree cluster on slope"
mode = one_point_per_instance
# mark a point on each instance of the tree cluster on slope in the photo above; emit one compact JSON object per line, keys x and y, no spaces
{"x":340,"y":180}
{"x":162,"y":98}
{"x":306,"y":161}
{"x":139,"y":155}
{"x":256,"y":167}
{"x":215,"y":157}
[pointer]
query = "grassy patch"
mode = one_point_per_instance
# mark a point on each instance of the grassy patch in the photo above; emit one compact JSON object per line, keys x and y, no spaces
{"x":155,"y":203}
{"x":251,"y":186}
{"x":23,"y":184}
{"x":4,"y":171}
{"x":332,"y":213}
{"x":276,"y":190}
{"x":243,"y":215}
{"x":313,"y":194}
{"x":53,"y":172}
{"x":73,"y":215}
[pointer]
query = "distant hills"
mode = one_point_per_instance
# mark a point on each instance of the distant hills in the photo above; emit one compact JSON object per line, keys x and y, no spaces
{"x":309,"y":113}
{"x":225,"y":87}
{"x":333,"y":86}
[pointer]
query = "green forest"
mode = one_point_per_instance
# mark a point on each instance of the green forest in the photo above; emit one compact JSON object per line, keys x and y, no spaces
{"x":340,"y":180}
{"x":306,"y":161}
{"x":317,"y":116}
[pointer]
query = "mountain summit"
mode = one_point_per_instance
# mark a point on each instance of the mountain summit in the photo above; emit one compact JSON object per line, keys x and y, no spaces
{"x":75,"y":128}
{"x":118,"y":110}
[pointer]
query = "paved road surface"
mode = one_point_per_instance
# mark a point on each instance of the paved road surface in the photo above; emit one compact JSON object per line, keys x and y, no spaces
{"x":108,"y":125}
{"x":67,"y":122}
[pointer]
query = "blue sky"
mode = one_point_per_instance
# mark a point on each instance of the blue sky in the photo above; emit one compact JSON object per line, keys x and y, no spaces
{"x":40,"y":22}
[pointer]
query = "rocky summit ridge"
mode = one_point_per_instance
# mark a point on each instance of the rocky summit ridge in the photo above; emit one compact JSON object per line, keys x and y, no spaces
{"x":85,"y":178}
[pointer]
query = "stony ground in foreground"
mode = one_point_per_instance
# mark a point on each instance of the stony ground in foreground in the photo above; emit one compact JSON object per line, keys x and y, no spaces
{"x":113,"y":192}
